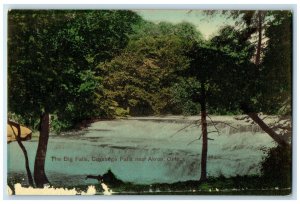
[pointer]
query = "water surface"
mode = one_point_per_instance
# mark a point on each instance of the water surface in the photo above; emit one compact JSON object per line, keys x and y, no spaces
{"x":146,"y":150}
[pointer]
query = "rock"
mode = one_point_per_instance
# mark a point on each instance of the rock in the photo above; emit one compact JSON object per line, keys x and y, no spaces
{"x":26,"y":133}
{"x":108,"y":178}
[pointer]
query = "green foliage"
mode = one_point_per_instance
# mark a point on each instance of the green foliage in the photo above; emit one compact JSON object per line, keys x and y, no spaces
{"x":232,"y":41}
{"x":85,"y":64}
{"x":186,"y":94}
{"x":187,"y":32}
{"x":277,"y":66}
{"x":52,"y":58}
{"x":29,"y":122}
{"x":58,"y":125}
{"x":277,"y":166}
{"x":264,"y":87}
{"x":219,"y":72}
{"x":80,"y":64}
{"x":140,"y":79}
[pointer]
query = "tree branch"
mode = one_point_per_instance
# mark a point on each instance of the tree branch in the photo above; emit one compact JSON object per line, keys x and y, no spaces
{"x":194,"y":140}
{"x":184,"y":128}
{"x":228,"y":125}
{"x":18,"y":138}
{"x":213,"y":124}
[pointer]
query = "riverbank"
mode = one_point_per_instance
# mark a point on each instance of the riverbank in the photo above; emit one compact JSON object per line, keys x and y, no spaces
{"x":239,"y":185}
{"x":147,"y":151}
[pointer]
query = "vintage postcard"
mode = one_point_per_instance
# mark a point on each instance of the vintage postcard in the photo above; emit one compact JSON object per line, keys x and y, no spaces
{"x":149,"y":102}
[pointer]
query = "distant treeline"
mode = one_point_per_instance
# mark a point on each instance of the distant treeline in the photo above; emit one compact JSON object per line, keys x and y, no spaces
{"x":78,"y":65}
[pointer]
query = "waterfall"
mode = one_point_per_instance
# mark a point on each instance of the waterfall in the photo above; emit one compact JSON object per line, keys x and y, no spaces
{"x":148,"y":151}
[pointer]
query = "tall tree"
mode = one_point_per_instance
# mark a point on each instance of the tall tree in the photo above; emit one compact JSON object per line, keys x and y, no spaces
{"x":251,"y":24}
{"x":17,"y":135}
{"x":30,"y":78}
{"x":51,"y":65}
{"x":254,"y":85}
{"x":277,"y":65}
{"x":207,"y":66}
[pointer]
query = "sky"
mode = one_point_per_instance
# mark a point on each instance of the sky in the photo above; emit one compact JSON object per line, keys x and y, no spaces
{"x":207,"y":25}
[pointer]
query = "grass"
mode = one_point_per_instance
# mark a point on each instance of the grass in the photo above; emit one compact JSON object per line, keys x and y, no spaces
{"x":239,"y":185}
{"x":246,"y":185}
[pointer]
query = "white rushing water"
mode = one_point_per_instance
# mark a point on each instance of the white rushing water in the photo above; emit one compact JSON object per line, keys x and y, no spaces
{"x":147,"y":150}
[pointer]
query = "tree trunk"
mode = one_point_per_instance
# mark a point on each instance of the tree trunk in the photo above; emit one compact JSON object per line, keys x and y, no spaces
{"x":204,"y":134}
{"x":268,"y":130}
{"x":40,"y":177}
{"x":18,"y":138}
{"x":258,"y":51}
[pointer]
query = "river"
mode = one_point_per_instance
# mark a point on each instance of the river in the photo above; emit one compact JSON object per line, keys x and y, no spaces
{"x":146,"y":150}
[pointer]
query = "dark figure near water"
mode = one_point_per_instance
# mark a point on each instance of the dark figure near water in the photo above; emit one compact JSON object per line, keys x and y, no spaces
{"x":108,"y":178}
